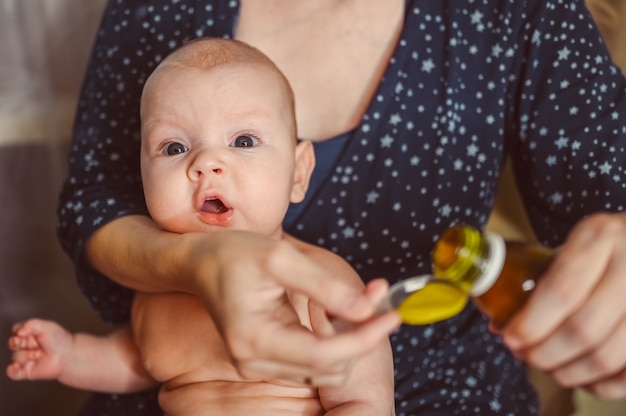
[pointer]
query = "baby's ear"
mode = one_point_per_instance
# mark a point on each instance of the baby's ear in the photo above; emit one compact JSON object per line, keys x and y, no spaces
{"x":304,"y":164}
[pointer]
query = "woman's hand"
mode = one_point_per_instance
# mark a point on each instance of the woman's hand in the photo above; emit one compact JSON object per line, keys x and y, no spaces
{"x":242,"y":278}
{"x":248,"y":302}
{"x":574,"y":324}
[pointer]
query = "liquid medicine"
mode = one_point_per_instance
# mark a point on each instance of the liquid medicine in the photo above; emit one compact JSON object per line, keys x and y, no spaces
{"x":498,"y":275}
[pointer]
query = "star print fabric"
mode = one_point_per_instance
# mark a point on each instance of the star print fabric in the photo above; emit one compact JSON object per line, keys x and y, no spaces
{"x":469,"y":83}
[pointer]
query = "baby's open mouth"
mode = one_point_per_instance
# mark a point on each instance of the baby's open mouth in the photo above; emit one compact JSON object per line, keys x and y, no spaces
{"x":214,"y":206}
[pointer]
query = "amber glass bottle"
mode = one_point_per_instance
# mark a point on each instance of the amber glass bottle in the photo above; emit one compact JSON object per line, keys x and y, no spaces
{"x":498,"y":275}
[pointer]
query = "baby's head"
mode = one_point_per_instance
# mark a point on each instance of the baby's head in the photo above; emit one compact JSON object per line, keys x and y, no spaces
{"x":219,"y":144}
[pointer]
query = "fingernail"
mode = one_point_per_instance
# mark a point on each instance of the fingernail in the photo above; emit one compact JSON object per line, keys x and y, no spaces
{"x":360,"y":305}
{"x":512,"y":342}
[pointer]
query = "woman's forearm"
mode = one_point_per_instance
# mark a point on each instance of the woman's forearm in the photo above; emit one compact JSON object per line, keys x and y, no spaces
{"x":134,"y":252}
{"x":242,"y":277}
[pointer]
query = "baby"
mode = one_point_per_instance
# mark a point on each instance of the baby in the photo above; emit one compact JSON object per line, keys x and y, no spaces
{"x":219,"y":151}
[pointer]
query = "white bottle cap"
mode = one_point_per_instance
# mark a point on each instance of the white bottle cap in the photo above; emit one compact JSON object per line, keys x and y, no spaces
{"x":492,"y":266}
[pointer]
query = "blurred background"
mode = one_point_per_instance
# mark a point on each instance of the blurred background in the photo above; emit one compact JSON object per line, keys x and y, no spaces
{"x":44,"y":46}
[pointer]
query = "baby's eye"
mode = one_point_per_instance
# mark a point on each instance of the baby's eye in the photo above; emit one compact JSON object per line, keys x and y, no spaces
{"x":175,"y":149}
{"x":245,"y":141}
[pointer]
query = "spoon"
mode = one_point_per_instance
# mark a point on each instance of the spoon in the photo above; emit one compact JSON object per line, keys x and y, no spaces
{"x":424,"y":299}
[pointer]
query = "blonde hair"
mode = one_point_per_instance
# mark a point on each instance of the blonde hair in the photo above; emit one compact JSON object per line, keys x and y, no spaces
{"x":209,"y":52}
{"x":206,"y":53}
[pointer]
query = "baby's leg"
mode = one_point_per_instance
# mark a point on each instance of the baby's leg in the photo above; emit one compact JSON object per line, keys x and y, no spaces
{"x":39,"y":349}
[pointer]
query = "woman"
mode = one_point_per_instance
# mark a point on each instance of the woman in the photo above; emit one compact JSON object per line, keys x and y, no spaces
{"x":413,"y":106}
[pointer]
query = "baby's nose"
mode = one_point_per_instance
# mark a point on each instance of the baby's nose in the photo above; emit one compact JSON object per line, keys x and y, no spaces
{"x":206,"y":163}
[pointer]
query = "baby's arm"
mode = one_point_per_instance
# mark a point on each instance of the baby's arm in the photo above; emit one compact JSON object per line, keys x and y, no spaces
{"x":369,"y":389}
{"x":43,"y":350}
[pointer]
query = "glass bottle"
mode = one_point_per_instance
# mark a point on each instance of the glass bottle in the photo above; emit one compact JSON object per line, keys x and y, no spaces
{"x":498,"y":275}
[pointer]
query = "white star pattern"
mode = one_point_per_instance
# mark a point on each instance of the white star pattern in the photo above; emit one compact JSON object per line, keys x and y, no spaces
{"x":386,"y":141}
{"x":466,"y":83}
{"x":428,"y":65}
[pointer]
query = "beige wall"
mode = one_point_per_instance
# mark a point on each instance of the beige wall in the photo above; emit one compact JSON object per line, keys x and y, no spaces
{"x":610,"y":15}
{"x":44,"y":46}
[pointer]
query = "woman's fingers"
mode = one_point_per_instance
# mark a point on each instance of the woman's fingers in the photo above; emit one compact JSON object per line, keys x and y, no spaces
{"x":577,"y":268}
{"x":599,"y":365}
{"x":611,"y":388}
{"x":298,"y":354}
{"x":294,"y":270}
{"x":265,"y":336}
{"x":592,"y":326}
{"x":574,"y":325}
{"x":269,"y":262}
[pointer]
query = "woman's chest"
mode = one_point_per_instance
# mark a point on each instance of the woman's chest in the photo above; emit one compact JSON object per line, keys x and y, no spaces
{"x":333,"y":54}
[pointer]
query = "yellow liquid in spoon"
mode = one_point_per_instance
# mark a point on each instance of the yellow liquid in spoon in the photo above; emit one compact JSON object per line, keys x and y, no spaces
{"x":434,"y":302}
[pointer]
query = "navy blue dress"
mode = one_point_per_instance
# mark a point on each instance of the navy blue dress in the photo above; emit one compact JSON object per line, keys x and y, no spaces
{"x":469,"y":83}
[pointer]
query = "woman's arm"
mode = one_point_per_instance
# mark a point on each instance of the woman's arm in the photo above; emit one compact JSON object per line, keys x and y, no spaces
{"x":104,"y":182}
{"x":103,"y":222}
{"x":569,"y":154}
{"x":242,"y":279}
{"x":134,"y":252}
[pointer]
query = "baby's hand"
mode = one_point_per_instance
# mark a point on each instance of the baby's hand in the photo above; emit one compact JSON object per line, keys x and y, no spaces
{"x":38,"y":348}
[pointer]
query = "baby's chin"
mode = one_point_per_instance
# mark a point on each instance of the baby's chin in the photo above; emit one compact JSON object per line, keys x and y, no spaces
{"x":174,"y":224}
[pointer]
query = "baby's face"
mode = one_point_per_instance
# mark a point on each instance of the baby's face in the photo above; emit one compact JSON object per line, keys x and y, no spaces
{"x":218,"y":149}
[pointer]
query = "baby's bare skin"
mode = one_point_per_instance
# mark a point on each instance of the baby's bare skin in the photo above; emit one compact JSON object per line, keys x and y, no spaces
{"x":240,"y":398}
{"x":199,"y":378}
{"x":223,"y":129}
